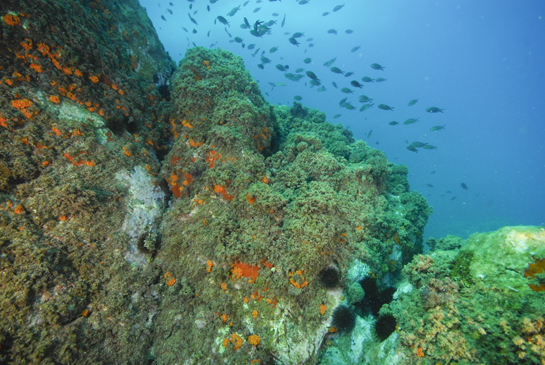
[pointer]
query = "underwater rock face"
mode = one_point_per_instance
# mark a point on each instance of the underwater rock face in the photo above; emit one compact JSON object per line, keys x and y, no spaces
{"x":78,"y":105}
{"x":262,"y":198}
{"x":514,"y":248}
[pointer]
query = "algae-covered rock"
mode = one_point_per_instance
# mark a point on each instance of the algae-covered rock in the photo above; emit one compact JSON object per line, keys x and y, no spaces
{"x":355,"y":293}
{"x":264,"y":199}
{"x":476,"y":305}
{"x":80,"y":103}
{"x":98,"y":137}
{"x":503,"y":258}
{"x":446,"y":243}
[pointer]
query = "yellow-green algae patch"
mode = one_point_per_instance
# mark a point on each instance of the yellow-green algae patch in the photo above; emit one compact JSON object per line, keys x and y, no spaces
{"x":477,"y":303}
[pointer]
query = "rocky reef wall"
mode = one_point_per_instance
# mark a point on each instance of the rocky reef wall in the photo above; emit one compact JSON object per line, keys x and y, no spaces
{"x":82,"y":122}
{"x":264,"y":199}
{"x":479,"y":301}
{"x":151,"y":216}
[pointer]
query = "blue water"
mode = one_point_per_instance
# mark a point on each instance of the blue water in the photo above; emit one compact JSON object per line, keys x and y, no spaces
{"x":482,"y":61}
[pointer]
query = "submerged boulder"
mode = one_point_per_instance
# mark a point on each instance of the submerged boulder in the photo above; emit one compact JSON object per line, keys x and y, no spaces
{"x":264,"y":199}
{"x":482,"y":303}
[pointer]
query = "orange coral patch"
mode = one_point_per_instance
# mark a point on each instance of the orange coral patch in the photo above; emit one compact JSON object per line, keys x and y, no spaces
{"x":188,"y":178}
{"x":536,"y":268}
{"x":12,"y":19}
{"x":43,"y":48}
{"x":71,"y":159}
{"x":269,"y":265}
{"x":176,"y":190}
{"x":56,"y":64}
{"x":237,"y":273}
{"x":171,"y":280}
{"x":248,"y":271}
{"x":236,"y":340}
{"x":27,"y":45}
{"x":213,"y":156}
{"x":88,"y":163}
{"x":323,"y":309}
{"x":295,"y":283}
{"x":194,"y":144}
{"x":220,"y":189}
{"x":126,"y":151}
{"x":250,"y":199}
{"x":209,"y":263}
{"x":54,"y":99}
{"x":71,"y":96}
{"x":254,"y":340}
{"x":21,"y":104}
{"x":537,"y":288}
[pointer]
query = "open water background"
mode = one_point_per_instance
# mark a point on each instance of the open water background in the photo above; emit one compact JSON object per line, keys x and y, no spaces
{"x":482,"y":61}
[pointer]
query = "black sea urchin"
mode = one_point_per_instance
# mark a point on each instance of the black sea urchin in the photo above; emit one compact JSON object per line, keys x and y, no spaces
{"x":330,"y":277}
{"x":370,"y":287}
{"x":344,"y":318}
{"x":374,"y":298}
{"x":384,"y":326}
